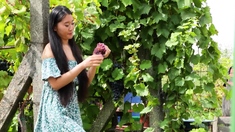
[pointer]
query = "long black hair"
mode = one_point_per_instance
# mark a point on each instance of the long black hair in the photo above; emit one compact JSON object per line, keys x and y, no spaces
{"x":66,"y":92}
{"x":229,"y":72}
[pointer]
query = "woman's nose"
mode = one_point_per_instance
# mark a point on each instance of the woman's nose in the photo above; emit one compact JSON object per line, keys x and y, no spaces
{"x":71,"y":27}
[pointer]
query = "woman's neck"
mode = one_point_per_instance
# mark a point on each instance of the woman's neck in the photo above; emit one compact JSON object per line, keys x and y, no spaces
{"x":65,"y":42}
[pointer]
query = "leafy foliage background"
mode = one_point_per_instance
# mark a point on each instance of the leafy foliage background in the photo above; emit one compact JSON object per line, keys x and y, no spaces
{"x":161,"y":45}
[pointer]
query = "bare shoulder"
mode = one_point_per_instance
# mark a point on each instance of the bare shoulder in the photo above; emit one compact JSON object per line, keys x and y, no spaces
{"x":47,"y":52}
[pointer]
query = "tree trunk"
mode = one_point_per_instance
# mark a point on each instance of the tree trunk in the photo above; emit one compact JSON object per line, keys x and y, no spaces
{"x":104,"y":116}
{"x":157,"y":114}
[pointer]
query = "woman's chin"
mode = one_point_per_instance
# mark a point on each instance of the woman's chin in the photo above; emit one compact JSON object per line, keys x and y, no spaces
{"x":70,"y":36}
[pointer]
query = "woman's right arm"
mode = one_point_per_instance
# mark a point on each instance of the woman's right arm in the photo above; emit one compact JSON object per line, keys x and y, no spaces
{"x":66,"y":78}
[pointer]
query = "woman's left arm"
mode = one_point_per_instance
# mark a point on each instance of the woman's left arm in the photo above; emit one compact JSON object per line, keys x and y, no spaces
{"x":92,"y":70}
{"x":91,"y":74}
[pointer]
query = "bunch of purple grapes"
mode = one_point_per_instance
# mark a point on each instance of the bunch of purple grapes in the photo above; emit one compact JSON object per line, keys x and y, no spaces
{"x":100,"y":49}
{"x":4,"y":66}
{"x":117,"y":86}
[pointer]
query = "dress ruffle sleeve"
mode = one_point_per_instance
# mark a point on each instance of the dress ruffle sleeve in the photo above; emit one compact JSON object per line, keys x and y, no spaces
{"x":50,"y":69}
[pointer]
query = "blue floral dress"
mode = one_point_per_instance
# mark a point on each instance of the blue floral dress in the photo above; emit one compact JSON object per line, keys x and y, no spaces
{"x":52,"y":116}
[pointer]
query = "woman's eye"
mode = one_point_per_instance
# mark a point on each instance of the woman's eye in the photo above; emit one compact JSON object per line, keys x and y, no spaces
{"x":66,"y":25}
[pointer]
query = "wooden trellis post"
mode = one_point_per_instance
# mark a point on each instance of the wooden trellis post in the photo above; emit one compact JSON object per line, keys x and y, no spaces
{"x":39,"y":10}
{"x":28,"y":72}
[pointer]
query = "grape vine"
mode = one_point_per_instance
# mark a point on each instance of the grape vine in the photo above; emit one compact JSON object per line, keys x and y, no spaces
{"x":158,"y":39}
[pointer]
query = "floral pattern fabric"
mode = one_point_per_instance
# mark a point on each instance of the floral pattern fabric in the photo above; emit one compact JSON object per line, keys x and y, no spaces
{"x":52,"y":116}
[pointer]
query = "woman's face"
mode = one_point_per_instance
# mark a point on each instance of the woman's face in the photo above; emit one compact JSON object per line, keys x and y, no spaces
{"x":231,"y":73}
{"x":65,"y":28}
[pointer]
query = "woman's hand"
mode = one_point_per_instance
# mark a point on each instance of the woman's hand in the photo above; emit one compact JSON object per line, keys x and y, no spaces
{"x":103,"y":49}
{"x":92,"y":61}
{"x":107,"y":51}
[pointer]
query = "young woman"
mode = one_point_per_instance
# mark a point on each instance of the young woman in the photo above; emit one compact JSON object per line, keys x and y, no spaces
{"x":226,"y":103}
{"x":65,"y":77}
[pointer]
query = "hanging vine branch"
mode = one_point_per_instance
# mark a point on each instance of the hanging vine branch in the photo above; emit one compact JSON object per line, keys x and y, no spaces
{"x":7,"y":47}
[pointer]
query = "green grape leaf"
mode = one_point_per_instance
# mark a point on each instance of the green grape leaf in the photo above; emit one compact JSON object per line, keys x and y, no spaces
{"x":173,"y":40}
{"x":21,"y":11}
{"x":162,"y":67}
{"x":127,"y":107}
{"x":195,"y":59}
{"x":183,"y":3}
{"x":114,"y":26}
{"x":158,"y":50}
{"x":146,"y":110}
{"x":145,"y":8}
{"x":149,"y":129}
{"x":179,"y":81}
{"x":147,"y":77}
{"x":141,"y":89}
{"x":145,"y":64}
{"x":171,"y":58}
{"x":117,"y":74}
{"x":126,"y":2}
{"x":187,"y":14}
{"x":198,"y":3}
{"x":107,"y":64}
{"x":2,"y":9}
{"x":138,"y":107}
{"x":209,"y":86}
{"x":105,"y":3}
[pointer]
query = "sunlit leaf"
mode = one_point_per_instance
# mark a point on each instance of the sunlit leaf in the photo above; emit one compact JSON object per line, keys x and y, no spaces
{"x":126,"y":2}
{"x":2,"y":10}
{"x":8,"y":29}
{"x":183,"y":3}
{"x":21,"y":11}
{"x":149,"y":129}
{"x":117,"y":74}
{"x":146,"y":110}
{"x":173,"y":40}
{"x":107,"y":64}
{"x":147,"y":78}
{"x":141,"y":89}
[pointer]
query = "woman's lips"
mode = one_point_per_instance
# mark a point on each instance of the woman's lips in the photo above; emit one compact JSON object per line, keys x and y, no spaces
{"x":70,"y":33}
